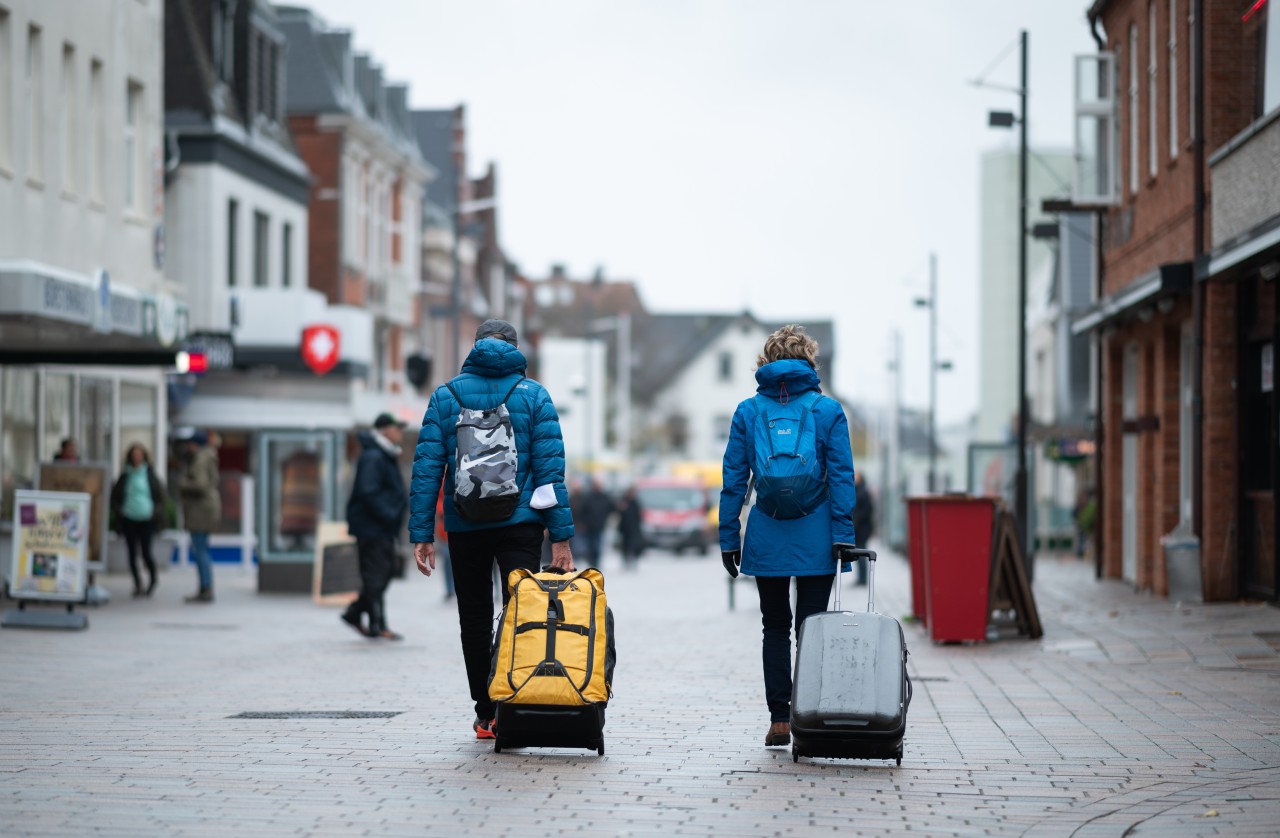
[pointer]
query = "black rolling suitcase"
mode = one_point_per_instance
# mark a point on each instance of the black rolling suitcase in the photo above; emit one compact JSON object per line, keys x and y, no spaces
{"x":851,"y":690}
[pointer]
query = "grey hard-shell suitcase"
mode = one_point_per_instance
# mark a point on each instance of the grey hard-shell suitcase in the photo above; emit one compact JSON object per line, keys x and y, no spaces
{"x":850,"y":689}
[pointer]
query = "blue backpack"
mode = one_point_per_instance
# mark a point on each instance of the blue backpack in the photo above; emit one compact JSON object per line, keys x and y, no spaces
{"x":789,"y":479}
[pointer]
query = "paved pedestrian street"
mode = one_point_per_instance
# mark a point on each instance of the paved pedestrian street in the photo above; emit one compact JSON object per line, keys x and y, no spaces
{"x":1132,"y":716}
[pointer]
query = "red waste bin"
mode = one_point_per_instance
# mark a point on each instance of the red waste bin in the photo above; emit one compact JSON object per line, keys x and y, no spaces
{"x":956,"y":557}
{"x":915,"y":556}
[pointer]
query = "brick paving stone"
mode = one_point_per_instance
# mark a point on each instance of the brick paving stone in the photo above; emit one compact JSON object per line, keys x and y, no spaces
{"x":1132,"y":715}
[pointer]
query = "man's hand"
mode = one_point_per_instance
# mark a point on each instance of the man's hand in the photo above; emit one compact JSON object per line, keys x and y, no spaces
{"x":425,"y":555}
{"x":732,"y":560}
{"x":562,"y":556}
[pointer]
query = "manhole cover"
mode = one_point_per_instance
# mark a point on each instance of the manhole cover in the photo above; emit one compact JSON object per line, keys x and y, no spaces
{"x":317,"y":714}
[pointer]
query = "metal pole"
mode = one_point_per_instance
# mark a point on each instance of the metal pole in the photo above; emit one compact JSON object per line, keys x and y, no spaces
{"x":455,"y":298}
{"x":624,"y":383}
{"x":1020,"y":484}
{"x":933,"y":371}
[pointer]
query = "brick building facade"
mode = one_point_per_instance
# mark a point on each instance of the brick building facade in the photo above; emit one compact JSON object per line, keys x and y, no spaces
{"x":1187,"y":76}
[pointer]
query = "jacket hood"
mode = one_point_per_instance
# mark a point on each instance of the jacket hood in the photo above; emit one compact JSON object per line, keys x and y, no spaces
{"x":788,"y":376}
{"x":495,"y":359}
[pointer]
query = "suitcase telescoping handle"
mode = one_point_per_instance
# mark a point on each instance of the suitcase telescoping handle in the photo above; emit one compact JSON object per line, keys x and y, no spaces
{"x":852,"y":554}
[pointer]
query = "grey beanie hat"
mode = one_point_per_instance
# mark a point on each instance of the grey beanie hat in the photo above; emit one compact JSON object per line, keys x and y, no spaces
{"x":500,"y":329}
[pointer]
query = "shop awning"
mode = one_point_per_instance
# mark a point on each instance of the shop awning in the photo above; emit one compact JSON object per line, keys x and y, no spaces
{"x":1166,"y":281}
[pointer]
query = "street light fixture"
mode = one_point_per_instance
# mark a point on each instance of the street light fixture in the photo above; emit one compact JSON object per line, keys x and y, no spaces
{"x":931,"y":303}
{"x":1005,"y":119}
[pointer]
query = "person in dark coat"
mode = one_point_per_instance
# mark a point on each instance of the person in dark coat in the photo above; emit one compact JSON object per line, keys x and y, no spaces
{"x":375,"y":517}
{"x":597,"y":507}
{"x":138,"y":507}
{"x":630,"y":514}
{"x":864,"y":520}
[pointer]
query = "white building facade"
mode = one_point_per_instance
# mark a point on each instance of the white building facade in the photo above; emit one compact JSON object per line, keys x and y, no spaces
{"x":85,"y":310}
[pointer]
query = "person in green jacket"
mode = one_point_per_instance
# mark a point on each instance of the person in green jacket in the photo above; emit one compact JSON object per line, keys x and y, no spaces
{"x":138,"y":508}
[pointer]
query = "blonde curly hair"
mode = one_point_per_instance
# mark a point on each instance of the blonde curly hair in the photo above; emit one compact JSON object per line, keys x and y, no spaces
{"x":789,"y":342}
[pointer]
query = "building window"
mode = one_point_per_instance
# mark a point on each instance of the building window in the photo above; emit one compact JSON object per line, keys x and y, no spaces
{"x":132,"y":145}
{"x":286,"y":255}
{"x":233,"y":220}
{"x":261,"y":244}
{"x":1191,"y":69}
{"x":726,"y":366}
{"x":1133,"y":109}
{"x":18,"y":424}
{"x":1173,"y":78}
{"x":1096,"y":137}
{"x":70,"y":112}
{"x":224,"y":41}
{"x":1152,"y":133}
{"x":6,"y":102}
{"x":97,"y":133}
{"x":1270,"y":69}
{"x":34,"y":83}
{"x":723,"y":424}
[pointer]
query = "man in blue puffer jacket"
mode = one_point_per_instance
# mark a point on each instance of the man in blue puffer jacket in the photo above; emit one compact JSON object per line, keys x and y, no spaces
{"x":494,"y":368}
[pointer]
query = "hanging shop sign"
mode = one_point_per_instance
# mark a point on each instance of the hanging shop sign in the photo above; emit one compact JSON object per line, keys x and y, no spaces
{"x":50,"y":546}
{"x":320,"y":346}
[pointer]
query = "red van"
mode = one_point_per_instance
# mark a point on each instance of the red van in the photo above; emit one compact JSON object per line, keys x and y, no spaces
{"x":674,"y":514}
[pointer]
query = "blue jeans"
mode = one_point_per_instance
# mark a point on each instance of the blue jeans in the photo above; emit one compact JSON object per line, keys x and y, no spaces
{"x":204,"y":562}
{"x":775,"y":612}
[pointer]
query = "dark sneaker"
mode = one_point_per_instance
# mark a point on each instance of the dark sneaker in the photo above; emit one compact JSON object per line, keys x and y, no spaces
{"x":779,"y":735}
{"x":354,"y":622}
{"x":483,"y":728}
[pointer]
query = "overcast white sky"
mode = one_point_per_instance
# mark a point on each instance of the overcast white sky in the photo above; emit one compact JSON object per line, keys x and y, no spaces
{"x":796,"y":158}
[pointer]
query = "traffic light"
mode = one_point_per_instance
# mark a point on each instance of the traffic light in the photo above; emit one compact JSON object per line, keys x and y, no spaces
{"x":196,"y":363}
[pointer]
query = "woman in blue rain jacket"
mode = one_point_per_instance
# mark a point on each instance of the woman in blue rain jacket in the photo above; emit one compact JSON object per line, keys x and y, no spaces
{"x":776,"y":550}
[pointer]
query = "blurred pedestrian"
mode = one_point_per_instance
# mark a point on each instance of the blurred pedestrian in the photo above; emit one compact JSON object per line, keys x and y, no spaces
{"x":864,"y":520}
{"x":519,"y":447}
{"x":798,"y":531}
{"x":138,"y":507}
{"x":68,"y":451}
{"x":630,"y":535}
{"x":1085,"y":515}
{"x":597,"y":508}
{"x":198,"y":487}
{"x":375,"y":517}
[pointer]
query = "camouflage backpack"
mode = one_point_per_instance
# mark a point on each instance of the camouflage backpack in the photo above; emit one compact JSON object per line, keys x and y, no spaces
{"x":485,"y":487}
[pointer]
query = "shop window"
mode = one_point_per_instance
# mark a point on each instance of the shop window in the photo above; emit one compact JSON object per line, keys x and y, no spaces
{"x":296,"y":476}
{"x":96,"y":420}
{"x":59,"y":421}
{"x":17,"y":435}
{"x":137,"y":417}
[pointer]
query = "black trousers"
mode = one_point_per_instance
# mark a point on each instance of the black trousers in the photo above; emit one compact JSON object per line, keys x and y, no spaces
{"x":473,"y":555}
{"x":137,"y":537}
{"x":775,"y":612}
{"x":377,"y":562}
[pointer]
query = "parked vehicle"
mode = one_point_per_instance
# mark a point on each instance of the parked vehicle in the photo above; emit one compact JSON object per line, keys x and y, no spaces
{"x":675,"y":514}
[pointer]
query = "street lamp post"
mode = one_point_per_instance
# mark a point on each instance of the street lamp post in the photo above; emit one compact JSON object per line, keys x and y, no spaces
{"x":931,"y":303}
{"x":1003,"y":119}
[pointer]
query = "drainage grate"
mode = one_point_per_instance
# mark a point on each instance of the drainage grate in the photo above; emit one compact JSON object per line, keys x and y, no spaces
{"x":936,"y":678}
{"x":196,"y":626}
{"x":317,"y":714}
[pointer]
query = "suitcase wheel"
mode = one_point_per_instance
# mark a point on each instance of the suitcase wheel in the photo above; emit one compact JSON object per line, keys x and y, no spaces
{"x":795,"y":754}
{"x":497,"y":745}
{"x":899,"y":757}
{"x":600,"y":748}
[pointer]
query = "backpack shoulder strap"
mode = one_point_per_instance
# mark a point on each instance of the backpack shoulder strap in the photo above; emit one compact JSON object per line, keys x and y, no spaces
{"x":456,"y":397}
{"x":513,"y":388}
